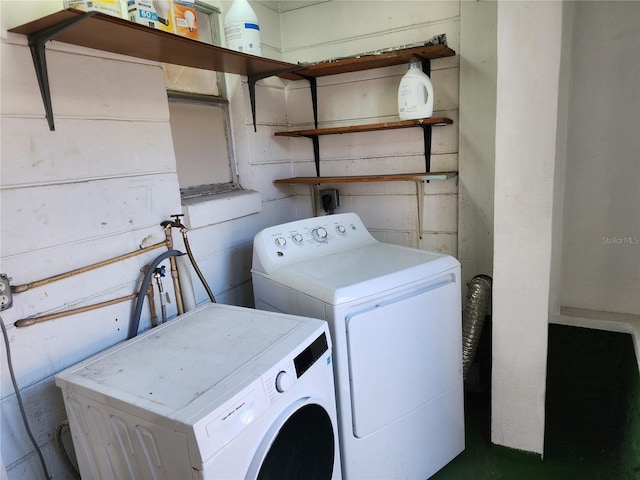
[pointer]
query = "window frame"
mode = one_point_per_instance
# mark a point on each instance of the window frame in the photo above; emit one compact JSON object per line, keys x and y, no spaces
{"x":217,"y":101}
{"x":222,"y":103}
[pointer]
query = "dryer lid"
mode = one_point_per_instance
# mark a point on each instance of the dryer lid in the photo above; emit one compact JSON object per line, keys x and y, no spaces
{"x":361,"y":272}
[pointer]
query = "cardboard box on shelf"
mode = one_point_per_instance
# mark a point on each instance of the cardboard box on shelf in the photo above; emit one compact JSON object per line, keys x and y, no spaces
{"x":184,"y":16}
{"x":152,"y":13}
{"x":110,"y":7}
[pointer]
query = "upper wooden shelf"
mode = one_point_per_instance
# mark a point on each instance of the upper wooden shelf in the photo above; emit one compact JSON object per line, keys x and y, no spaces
{"x":117,"y":35}
{"x":372,"y":127}
{"x":367,"y":62}
{"x":399,"y":177}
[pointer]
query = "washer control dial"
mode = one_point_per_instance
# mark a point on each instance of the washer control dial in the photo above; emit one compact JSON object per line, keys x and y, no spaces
{"x":283,"y":381}
{"x":297,"y":238}
{"x":319,"y":234}
{"x":341,"y":230}
{"x":281,"y":241}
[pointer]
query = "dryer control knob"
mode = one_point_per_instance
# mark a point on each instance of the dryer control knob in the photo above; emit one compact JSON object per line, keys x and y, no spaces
{"x":297,"y":238}
{"x":281,"y":242}
{"x":341,"y":230}
{"x":283,"y":381}
{"x":319,"y":234}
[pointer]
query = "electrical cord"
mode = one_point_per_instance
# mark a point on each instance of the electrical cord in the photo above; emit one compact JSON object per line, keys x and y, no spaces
{"x":20,"y":404}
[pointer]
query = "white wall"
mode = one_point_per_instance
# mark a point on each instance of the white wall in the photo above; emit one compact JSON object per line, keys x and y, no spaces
{"x":529,"y":54}
{"x":341,"y":28}
{"x":478,"y":23}
{"x":601,"y":242}
{"x":95,"y":188}
{"x":100,"y":185}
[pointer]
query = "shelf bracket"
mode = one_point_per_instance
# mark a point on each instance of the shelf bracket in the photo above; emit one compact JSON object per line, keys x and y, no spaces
{"x":251,"y":81}
{"x":316,"y":151}
{"x":38,"y":54}
{"x":426,"y":66}
{"x":426,"y":129}
{"x":313,"y":86}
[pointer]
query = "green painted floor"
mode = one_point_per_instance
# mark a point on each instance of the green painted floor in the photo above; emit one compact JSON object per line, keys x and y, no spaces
{"x":592,"y":429}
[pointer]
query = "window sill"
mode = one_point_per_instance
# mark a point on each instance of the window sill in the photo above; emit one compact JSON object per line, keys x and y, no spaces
{"x":218,"y":208}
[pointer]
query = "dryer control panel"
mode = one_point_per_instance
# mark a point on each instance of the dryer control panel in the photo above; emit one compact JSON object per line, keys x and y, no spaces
{"x":297,"y":241}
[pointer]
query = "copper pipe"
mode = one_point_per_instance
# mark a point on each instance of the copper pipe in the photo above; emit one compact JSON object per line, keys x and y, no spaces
{"x":26,"y":322}
{"x":179,"y":225}
{"x":174,"y":269}
{"x":55,"y":278}
{"x":152,"y":306}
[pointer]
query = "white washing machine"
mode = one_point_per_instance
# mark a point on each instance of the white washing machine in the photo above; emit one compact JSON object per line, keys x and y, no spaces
{"x":395,"y":319}
{"x":221,"y":392}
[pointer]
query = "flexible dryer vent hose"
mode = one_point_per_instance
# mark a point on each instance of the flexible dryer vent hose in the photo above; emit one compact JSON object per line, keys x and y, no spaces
{"x":476,"y":309}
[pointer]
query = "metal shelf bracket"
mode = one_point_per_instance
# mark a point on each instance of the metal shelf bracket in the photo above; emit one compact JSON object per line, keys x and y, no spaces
{"x":313,"y":86}
{"x":426,"y":129}
{"x":316,"y":151}
{"x":37,"y":46}
{"x":251,"y":81}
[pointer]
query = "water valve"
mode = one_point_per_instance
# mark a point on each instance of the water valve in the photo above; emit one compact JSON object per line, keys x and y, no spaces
{"x":6,"y":299}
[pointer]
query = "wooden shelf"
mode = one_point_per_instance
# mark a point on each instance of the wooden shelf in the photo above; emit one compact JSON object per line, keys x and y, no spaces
{"x":367,"y":62}
{"x":356,"y":64}
{"x":372,"y":127}
{"x":400,"y":177}
{"x":418,"y":178}
{"x":117,"y":35}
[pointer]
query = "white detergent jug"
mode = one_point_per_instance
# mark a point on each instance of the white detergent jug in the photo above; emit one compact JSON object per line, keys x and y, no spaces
{"x":241,"y":28}
{"x":415,"y":94}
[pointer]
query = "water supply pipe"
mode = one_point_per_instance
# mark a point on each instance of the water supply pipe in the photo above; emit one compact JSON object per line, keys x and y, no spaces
{"x":176,"y":223}
{"x":88,"y":268}
{"x":476,"y":309}
{"x":158,"y":273}
{"x":174,"y":270}
{"x":186,"y":284}
{"x":27,"y":322}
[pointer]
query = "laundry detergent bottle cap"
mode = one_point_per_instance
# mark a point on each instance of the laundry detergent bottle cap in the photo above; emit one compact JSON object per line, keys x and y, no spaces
{"x":415,"y":94}
{"x":241,"y":28}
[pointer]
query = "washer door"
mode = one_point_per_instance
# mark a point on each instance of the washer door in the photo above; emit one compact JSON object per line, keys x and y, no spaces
{"x":299,"y":445}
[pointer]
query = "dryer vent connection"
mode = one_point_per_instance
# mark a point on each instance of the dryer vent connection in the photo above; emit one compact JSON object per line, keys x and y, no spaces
{"x":476,"y":309}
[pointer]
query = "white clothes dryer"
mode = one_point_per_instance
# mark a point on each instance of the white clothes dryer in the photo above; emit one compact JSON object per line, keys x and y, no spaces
{"x":395,"y":319}
{"x":219,"y":393}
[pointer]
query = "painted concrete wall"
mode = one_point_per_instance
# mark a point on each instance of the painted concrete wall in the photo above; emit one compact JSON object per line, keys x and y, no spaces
{"x":342,"y":28}
{"x":601,"y":241}
{"x":529,"y":53}
{"x":478,"y":60}
{"x":100,"y":185}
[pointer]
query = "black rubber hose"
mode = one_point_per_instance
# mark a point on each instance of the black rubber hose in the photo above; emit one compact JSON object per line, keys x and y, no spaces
{"x":135,"y":323}
{"x":195,"y":267}
{"x":63,"y":450}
